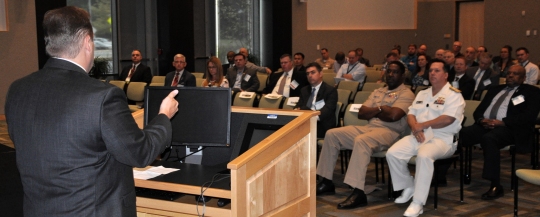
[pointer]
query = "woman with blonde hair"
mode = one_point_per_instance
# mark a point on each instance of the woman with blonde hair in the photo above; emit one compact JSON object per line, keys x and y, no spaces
{"x":214,"y":74}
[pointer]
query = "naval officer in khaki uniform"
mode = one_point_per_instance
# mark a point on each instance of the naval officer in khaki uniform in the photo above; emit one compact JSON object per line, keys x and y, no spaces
{"x":385,"y":109}
{"x":434,"y":117}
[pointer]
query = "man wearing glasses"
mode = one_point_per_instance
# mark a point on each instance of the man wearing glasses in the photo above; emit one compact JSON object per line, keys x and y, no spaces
{"x":180,"y":77}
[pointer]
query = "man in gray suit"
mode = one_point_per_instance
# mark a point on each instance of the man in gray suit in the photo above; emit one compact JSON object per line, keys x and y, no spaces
{"x":247,"y":81}
{"x":75,"y":137}
{"x":484,"y":76}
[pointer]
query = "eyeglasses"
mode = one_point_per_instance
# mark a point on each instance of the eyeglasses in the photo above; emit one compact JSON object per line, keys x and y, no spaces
{"x":179,"y":62}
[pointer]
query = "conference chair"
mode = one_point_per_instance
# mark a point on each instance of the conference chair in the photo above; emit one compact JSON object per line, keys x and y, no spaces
{"x":244,"y":99}
{"x":135,"y":92}
{"x":378,"y":66}
{"x":198,"y":81}
{"x":343,"y":97}
{"x":286,"y":106}
{"x":372,"y":75}
{"x":370,"y":87}
{"x":198,"y":74}
{"x":329,"y":71}
{"x":349,"y":85}
{"x":157,"y":84}
{"x":361,"y":97}
{"x":262,"y":80}
{"x":158,"y":79}
{"x":528,"y":175}
{"x":420,"y":88}
{"x":119,"y":84}
{"x":320,"y":140}
{"x":273,"y":103}
{"x":329,"y":79}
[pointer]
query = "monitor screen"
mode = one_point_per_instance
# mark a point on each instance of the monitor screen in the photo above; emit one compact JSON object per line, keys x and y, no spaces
{"x":203,"y":117}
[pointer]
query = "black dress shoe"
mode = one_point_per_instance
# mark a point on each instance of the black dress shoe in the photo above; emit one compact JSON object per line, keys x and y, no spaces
{"x":493,"y":193}
{"x":357,"y":199}
{"x":325,"y":187}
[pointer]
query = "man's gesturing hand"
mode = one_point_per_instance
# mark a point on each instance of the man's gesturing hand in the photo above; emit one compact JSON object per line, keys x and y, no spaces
{"x":169,"y":106}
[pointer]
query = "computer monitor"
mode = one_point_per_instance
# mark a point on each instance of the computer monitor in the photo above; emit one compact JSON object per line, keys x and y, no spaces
{"x":203,"y":117}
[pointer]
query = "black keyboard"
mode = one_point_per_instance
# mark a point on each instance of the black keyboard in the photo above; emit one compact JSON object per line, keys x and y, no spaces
{"x":157,"y":194}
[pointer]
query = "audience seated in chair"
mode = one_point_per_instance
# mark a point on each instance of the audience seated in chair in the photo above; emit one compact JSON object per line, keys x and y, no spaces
{"x":214,"y":74}
{"x":385,"y":109}
{"x":434,"y":117}
{"x":505,"y":116}
{"x":180,"y":77}
{"x":288,"y":82}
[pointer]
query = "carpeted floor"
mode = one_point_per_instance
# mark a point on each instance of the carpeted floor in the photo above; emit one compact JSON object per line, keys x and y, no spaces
{"x":379,"y":205}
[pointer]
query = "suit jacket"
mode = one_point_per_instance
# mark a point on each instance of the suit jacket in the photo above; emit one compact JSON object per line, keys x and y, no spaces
{"x":298,"y":76}
{"x":488,"y":74}
{"x":301,"y":68}
{"x":466,"y":85}
{"x":142,"y":74}
{"x":327,"y":118}
{"x":226,"y":68}
{"x":451,"y":74}
{"x":187,"y":79}
{"x":77,"y":143}
{"x":251,"y":85}
{"x":519,"y":118}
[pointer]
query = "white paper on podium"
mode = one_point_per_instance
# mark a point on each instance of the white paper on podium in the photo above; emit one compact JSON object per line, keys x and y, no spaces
{"x":151,"y":172}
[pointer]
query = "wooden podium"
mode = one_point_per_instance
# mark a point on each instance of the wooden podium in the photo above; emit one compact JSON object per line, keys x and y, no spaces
{"x":276,"y":177}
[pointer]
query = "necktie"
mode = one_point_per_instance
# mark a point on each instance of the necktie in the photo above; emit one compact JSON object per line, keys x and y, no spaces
{"x":495,"y":108}
{"x":282,"y":84}
{"x":175,"y":81}
{"x":131,"y":71}
{"x":310,"y":99}
{"x":457,"y":79}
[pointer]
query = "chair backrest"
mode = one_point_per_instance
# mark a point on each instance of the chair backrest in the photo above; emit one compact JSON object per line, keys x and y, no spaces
{"x":329,"y":78}
{"x":198,"y":74}
{"x":270,"y":103}
{"x":470,"y":106}
{"x":343,"y":97}
{"x":370,"y":87}
{"x":351,"y":118}
{"x":285,"y":106}
{"x":331,"y":71}
{"x":262,"y":81}
{"x":135,"y":91}
{"x":245,"y":102}
{"x":378,"y":66}
{"x":338,"y":109}
{"x":373,"y":75}
{"x":117,"y":83}
{"x":158,"y":79}
{"x":198,"y":81}
{"x":157,"y":84}
{"x":484,"y":92}
{"x":349,"y":85}
{"x":361,"y":97}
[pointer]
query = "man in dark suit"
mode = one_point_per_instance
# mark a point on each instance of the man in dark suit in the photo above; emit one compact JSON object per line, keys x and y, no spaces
{"x":505,"y":116}
{"x":483,"y":75}
{"x":299,"y":62}
{"x":449,"y":59}
{"x":247,"y":81}
{"x":230,"y":59}
{"x":76,"y":140}
{"x":180,"y":77}
{"x":136,"y":72}
{"x":319,"y":96}
{"x":462,"y":81}
{"x":289,"y":82}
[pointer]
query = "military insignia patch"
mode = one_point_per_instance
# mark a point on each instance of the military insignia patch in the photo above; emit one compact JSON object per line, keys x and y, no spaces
{"x":440,"y":101}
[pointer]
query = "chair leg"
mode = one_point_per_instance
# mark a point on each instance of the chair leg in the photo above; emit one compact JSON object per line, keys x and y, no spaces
{"x":461,"y":177}
{"x":390,"y":187}
{"x":435,"y":197}
{"x":516,"y":198}
{"x":468,"y":160}
{"x":513,"y":172}
{"x":377,"y":170}
{"x":382,"y":169}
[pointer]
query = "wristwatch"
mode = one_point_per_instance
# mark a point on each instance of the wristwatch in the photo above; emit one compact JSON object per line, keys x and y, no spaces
{"x":380,"y":110}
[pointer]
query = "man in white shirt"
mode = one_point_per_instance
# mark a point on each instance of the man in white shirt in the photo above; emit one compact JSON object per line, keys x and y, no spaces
{"x":531,"y":69}
{"x":353,"y":70}
{"x":287,"y":83}
{"x":484,"y":76}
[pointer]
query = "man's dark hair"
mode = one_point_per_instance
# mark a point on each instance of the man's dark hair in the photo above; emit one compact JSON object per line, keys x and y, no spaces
{"x":340,"y":56}
{"x":446,"y":68}
{"x":485,"y":48}
{"x":522,"y":48}
{"x":64,"y":30}
{"x":413,"y":45}
{"x":398,"y":50}
{"x":286,"y":55}
{"x":314,"y":64}
{"x":400,"y":65}
{"x":324,"y":49}
{"x":240,"y":54}
{"x":391,"y":54}
{"x":301,"y":54}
